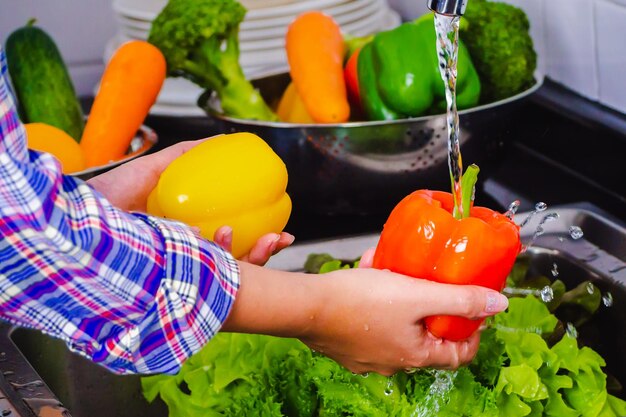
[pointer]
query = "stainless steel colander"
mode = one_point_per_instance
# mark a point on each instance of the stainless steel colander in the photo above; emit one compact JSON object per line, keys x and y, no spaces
{"x":366,"y":167}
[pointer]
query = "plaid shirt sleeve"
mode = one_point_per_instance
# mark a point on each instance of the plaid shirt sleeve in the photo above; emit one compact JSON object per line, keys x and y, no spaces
{"x":134,"y":293}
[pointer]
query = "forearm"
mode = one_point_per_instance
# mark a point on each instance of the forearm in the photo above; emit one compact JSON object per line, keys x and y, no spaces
{"x":275,"y":302}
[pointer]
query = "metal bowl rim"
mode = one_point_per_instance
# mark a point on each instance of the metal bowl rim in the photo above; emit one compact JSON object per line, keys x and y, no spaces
{"x":262,"y":123}
{"x":149,"y":136}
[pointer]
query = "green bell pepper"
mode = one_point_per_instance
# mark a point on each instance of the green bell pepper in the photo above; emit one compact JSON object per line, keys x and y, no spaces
{"x":399,"y":75}
{"x":371,"y":101}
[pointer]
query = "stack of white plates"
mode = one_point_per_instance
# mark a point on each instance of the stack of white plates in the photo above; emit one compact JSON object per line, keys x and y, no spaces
{"x":261,"y":37}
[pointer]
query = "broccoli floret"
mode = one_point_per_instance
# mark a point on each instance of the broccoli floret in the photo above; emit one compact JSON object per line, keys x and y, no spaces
{"x":497,"y":36}
{"x":200,"y":41}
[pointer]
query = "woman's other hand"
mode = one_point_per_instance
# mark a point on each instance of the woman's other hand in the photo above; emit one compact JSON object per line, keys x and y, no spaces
{"x":267,"y":245}
{"x":128,"y":186}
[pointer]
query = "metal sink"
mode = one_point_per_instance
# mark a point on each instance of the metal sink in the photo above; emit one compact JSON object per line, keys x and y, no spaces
{"x":40,"y":376}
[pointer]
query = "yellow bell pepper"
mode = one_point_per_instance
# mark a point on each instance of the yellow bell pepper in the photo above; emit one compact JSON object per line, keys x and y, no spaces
{"x":235,"y":180}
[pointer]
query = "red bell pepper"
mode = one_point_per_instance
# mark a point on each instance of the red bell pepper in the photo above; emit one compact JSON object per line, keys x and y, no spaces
{"x":352,"y":79}
{"x":423,"y":239}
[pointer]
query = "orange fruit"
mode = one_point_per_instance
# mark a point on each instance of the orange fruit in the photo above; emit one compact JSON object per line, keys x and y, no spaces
{"x":45,"y":138}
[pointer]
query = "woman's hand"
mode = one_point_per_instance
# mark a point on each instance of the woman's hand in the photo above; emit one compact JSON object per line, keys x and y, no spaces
{"x":372,"y":320}
{"x":366,"y":319}
{"x":128,"y":186}
{"x":267,"y":245}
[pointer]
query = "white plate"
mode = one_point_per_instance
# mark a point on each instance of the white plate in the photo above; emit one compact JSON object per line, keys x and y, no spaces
{"x":147,"y":10}
{"x":139,"y":9}
{"x":134,"y":33}
{"x":258,"y":58}
{"x":359,"y":18}
{"x":369,"y":24}
{"x":260,"y":4}
{"x":250,"y":29}
{"x":292,"y":9}
{"x":133,"y":23}
{"x":277,"y":28}
{"x":285,"y":19}
{"x":159,"y":109}
{"x":179,"y":92}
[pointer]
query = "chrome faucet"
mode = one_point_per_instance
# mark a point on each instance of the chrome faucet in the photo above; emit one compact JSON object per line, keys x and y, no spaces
{"x":448,"y":7}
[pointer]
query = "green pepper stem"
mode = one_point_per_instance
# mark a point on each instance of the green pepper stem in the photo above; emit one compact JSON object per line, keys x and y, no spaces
{"x":468,"y":182}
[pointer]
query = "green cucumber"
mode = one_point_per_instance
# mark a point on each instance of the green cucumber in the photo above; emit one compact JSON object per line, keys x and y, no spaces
{"x":42,"y":84}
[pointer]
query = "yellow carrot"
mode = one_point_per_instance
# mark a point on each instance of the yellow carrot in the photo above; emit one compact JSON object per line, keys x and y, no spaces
{"x":291,"y":108}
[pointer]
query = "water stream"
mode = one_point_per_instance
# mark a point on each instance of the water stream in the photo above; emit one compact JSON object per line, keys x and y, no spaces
{"x":447,"y":30}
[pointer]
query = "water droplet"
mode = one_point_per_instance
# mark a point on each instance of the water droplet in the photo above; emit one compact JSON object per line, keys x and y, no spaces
{"x":401,"y":359}
{"x":366,"y":327}
{"x":607,"y":299}
{"x":539,"y":230}
{"x":591,"y":288}
{"x":550,"y":217}
{"x":575,"y":232}
{"x":510,"y":212}
{"x":389,"y":387}
{"x":540,"y":206}
{"x":561,"y":239}
{"x":365,"y":374}
{"x":546,"y":294}
{"x":571,"y":331}
{"x":518,"y":291}
{"x":555,"y":270}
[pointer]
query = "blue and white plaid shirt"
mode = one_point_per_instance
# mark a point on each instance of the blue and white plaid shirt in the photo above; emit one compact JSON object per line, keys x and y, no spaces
{"x":134,"y":293}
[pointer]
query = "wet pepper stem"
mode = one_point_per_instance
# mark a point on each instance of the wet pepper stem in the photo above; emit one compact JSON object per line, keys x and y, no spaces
{"x":468,"y":182}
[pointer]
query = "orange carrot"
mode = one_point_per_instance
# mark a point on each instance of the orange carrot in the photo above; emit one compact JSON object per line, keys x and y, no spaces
{"x":315,"y":52}
{"x":129,"y":87}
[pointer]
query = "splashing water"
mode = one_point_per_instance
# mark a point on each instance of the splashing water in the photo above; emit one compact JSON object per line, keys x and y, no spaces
{"x":389,"y":387}
{"x":571,"y":331}
{"x":555,"y":270}
{"x":513,"y":207}
{"x":438,"y":394}
{"x":546,"y":294}
{"x":607,"y":299}
{"x":447,"y":29}
{"x":539,"y":230}
{"x":575,"y":232}
{"x":539,"y":207}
